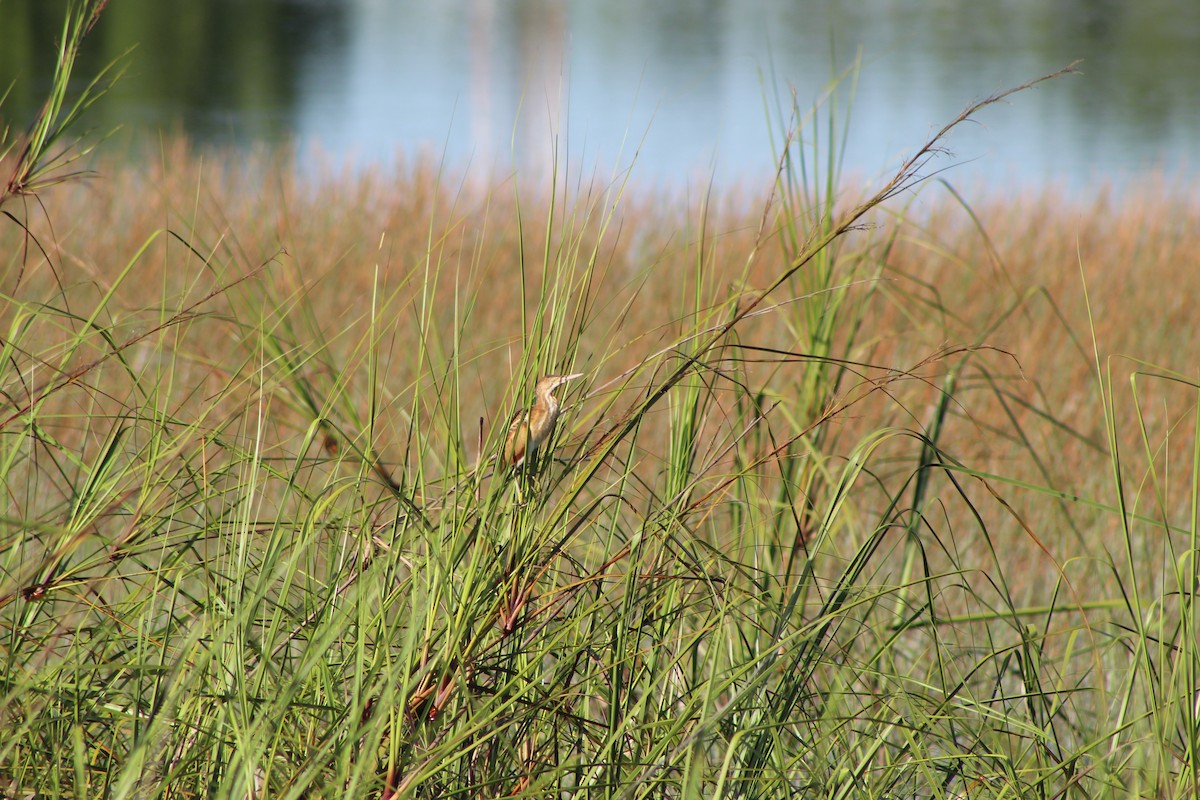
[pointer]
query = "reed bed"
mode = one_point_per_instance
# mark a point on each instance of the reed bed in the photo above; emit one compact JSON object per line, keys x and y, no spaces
{"x":869,"y":491}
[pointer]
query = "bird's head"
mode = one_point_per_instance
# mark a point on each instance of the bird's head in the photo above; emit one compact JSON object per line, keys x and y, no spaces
{"x":548,"y":383}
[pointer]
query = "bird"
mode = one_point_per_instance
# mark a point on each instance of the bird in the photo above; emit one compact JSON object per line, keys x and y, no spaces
{"x":531,"y":427}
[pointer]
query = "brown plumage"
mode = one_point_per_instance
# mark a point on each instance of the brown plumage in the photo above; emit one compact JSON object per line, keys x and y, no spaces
{"x":531,"y":427}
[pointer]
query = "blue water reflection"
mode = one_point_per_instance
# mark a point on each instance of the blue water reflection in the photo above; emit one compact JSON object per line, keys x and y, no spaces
{"x":504,"y":84}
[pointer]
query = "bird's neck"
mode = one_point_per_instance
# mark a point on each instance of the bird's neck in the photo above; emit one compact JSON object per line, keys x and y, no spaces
{"x":549,"y":403}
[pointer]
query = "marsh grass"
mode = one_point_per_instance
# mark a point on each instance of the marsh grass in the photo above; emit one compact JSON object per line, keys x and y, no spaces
{"x":841,"y":509}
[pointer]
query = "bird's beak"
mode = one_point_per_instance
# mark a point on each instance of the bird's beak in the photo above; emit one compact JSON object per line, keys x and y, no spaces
{"x":566,"y":378}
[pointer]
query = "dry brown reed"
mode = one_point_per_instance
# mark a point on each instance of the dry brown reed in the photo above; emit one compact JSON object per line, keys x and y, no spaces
{"x":1001,"y":269}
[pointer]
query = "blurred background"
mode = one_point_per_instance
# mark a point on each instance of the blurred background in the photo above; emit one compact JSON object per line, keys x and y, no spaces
{"x":690,"y":86}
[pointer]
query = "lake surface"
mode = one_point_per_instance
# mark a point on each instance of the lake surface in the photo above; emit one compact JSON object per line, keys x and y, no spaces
{"x":684,"y":84}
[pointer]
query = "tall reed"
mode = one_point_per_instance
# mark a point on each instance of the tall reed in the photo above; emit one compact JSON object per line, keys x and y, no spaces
{"x":255,"y":543}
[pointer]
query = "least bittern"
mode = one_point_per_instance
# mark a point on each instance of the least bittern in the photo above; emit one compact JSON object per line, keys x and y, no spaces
{"x":532,"y":427}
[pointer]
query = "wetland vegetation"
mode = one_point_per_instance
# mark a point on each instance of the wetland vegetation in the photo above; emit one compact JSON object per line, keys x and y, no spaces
{"x":867,"y":491}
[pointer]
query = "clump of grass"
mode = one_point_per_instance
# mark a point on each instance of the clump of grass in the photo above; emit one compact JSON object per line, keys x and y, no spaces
{"x":44,"y":156}
{"x":254,"y":543}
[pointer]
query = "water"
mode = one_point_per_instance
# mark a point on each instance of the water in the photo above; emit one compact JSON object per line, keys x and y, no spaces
{"x":512,"y":85}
